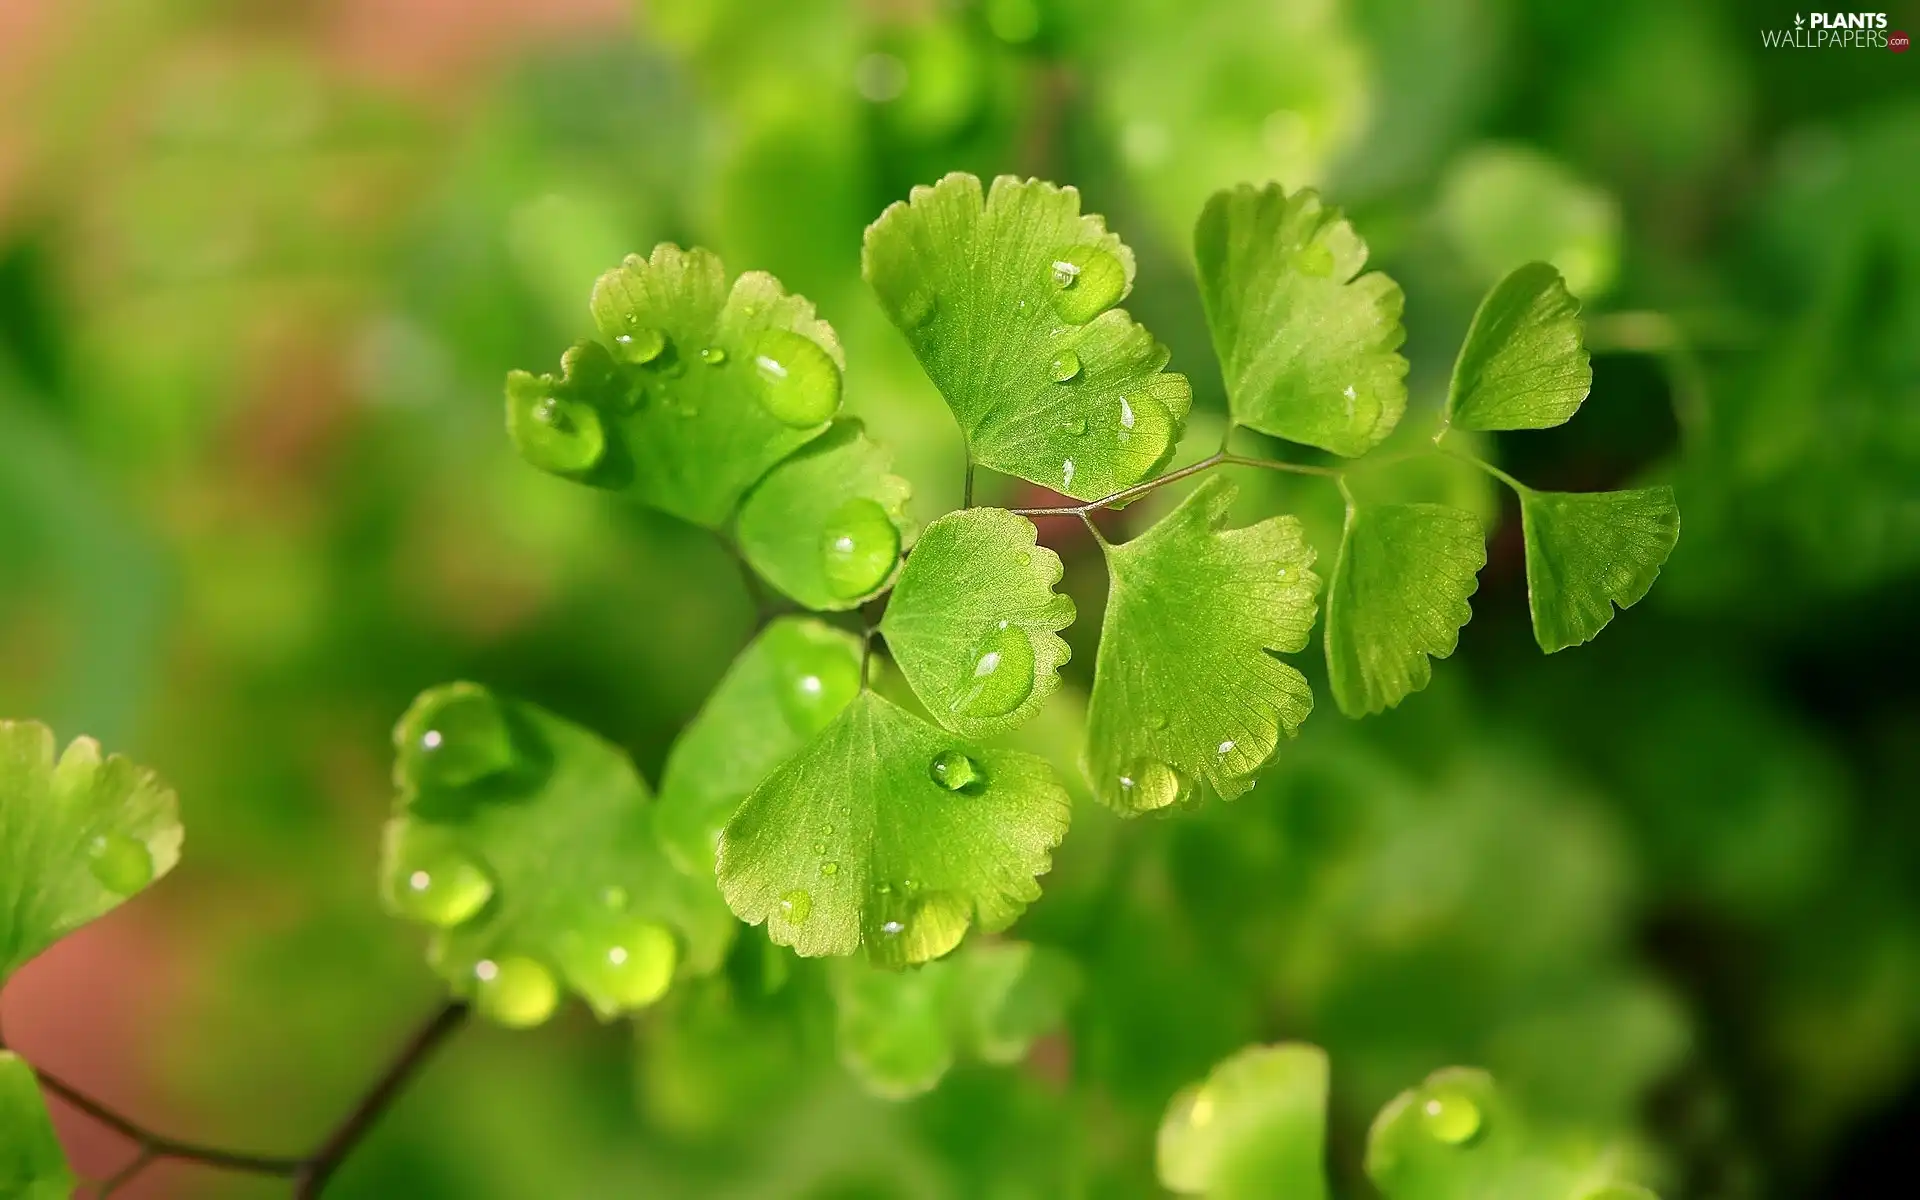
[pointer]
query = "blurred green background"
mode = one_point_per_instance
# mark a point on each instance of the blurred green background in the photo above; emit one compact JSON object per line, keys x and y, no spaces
{"x":264,"y":263}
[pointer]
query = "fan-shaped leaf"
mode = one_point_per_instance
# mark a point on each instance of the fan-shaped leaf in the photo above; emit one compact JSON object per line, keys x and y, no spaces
{"x":1256,"y":1128}
{"x":1007,"y":300}
{"x":32,"y":1164}
{"x":826,"y":526}
{"x":1524,"y":364}
{"x":1590,"y":551}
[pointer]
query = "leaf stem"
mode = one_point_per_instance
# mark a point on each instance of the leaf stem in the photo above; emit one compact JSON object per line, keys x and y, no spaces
{"x":1519,"y":488}
{"x":309,"y":1172}
{"x":1126,"y":494}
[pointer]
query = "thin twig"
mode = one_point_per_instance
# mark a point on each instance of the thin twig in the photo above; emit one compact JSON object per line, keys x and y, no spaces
{"x":312,"y":1174}
{"x":1216,"y":459}
{"x":126,"y":1174}
{"x":158,"y":1146}
{"x":1518,"y":487}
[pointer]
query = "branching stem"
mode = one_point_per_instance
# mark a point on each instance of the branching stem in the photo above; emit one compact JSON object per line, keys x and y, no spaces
{"x":309,"y":1172}
{"x":1216,"y":459}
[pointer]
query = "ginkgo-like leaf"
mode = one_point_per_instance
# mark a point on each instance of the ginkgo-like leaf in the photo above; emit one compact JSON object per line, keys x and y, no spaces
{"x":1007,"y":300}
{"x":891,"y":831}
{"x":973,"y":621}
{"x":1308,"y":346}
{"x":783,"y":689}
{"x":826,"y":526}
{"x":1187,"y":686}
{"x":79,"y":834}
{"x":1399,"y":594}
{"x":1458,"y":1137}
{"x":698,"y":390}
{"x":1256,"y":1128}
{"x":528,"y":844}
{"x":1524,"y":364}
{"x":1590,"y":551}
{"x":32,"y":1164}
{"x":900,"y":1031}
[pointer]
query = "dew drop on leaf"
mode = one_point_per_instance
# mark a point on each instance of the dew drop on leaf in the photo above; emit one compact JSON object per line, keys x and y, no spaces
{"x":918,"y":308}
{"x":1002,"y":674}
{"x":639,"y":345}
{"x":955,"y":771}
{"x":628,"y":964}
{"x":816,"y":682}
{"x":1450,"y":1116}
{"x":464,"y":739}
{"x":440,"y":885}
{"x":1087,"y":282}
{"x":565,"y":437}
{"x":829,"y":869}
{"x":1149,"y":783}
{"x":516,"y":992}
{"x":1142,"y":430}
{"x":819,"y":847}
{"x":1156,"y":720}
{"x":1077,"y":426}
{"x":860,"y":544}
{"x":892,"y":928}
{"x":799,"y":383}
{"x":122,"y":864}
{"x":1065,"y":366}
{"x":796,"y":906}
{"x":714,"y":356}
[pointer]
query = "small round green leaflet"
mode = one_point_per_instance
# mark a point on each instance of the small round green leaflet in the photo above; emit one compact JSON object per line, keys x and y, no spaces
{"x":914,"y":863}
{"x":1308,"y":346}
{"x":1186,"y":688}
{"x":900,"y":1031}
{"x":826,"y":526}
{"x":1046,"y":378}
{"x":706,"y":386}
{"x":474,"y":861}
{"x":1588,"y":552}
{"x":84,"y":833}
{"x":974,"y":620}
{"x":1255,"y":1128}
{"x":1524,"y":363}
{"x":32,"y":1164}
{"x":786,"y":687}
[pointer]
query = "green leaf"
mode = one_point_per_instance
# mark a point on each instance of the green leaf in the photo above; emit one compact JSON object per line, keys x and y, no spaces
{"x":1399,"y":594}
{"x":900,"y":1031}
{"x":1186,"y":685}
{"x":78,"y":835}
{"x":1256,"y":1128}
{"x":1458,"y":1137}
{"x":1524,"y":364}
{"x":1590,"y":551}
{"x":891,"y":831}
{"x":32,"y":1164}
{"x":784,"y":689}
{"x":972,"y":622}
{"x":1308,"y":345}
{"x":528,"y":844}
{"x":826,"y":526}
{"x":699,"y":390}
{"x":1008,"y":302}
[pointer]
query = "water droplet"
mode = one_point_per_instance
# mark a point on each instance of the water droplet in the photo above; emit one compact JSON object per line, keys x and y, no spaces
{"x":626,"y":965}
{"x":564,"y":437}
{"x":1156,"y":720}
{"x":639,"y":345}
{"x":1002,"y":675}
{"x":464,"y":738}
{"x":1142,"y":432}
{"x":1450,"y":1116}
{"x":1352,"y":398}
{"x":796,"y":906}
{"x":1226,"y":748}
{"x":1087,"y":281}
{"x":122,"y":864}
{"x":1148,"y":784}
{"x":885,"y":889}
{"x":829,"y":869}
{"x":516,"y":992}
{"x":438,"y":884}
{"x":799,"y":383}
{"x":713,"y":356}
{"x":892,"y":928}
{"x":827,"y":830}
{"x":956,"y":772}
{"x":815,"y":678}
{"x":918,"y":308}
{"x":1077,"y":426}
{"x":860,"y":544}
{"x":1065,"y":366}
{"x":1314,"y":258}
{"x":819,"y":847}
{"x":1066,"y":474}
